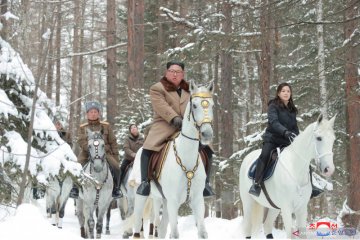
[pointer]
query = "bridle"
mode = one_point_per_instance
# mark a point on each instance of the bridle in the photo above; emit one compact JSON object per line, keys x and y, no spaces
{"x":318,"y":156}
{"x":205,"y":107}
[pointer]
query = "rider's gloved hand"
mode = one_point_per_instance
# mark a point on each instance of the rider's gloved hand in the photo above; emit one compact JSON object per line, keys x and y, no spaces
{"x":290,"y":135}
{"x":176,"y":122}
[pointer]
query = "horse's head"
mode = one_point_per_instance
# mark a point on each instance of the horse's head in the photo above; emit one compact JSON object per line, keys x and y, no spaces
{"x":201,"y":104}
{"x":96,"y":146}
{"x":324,"y":138}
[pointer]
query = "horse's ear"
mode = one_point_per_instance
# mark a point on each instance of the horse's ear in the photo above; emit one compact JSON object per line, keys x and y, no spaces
{"x":193,"y":87}
{"x":332,"y":121}
{"x":211,"y":87}
{"x":320,"y":118}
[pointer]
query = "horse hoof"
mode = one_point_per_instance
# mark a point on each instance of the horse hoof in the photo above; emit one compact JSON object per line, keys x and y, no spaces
{"x":136,"y":235}
{"x":270,"y":236}
{"x":107,"y":232}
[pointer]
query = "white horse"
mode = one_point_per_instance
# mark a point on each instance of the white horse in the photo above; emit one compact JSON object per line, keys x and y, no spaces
{"x":97,"y":192}
{"x":57,"y":194}
{"x":289,"y":188}
{"x":183,"y":174}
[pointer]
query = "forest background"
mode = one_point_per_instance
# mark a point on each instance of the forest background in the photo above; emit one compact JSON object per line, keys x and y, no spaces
{"x":113,"y":51}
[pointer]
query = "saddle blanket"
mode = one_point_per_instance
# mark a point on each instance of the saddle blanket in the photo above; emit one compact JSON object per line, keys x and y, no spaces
{"x":269,"y":169}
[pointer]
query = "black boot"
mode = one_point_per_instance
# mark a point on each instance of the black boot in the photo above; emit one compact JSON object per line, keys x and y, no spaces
{"x":255,"y":189}
{"x":208,"y":192}
{"x":315,"y":190}
{"x":74,"y":193}
{"x":116,"y":193}
{"x":144,"y":188}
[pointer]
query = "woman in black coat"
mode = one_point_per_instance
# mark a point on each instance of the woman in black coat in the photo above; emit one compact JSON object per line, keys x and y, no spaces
{"x":282,"y":128}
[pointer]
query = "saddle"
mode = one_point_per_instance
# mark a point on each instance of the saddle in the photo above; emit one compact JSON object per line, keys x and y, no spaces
{"x":157,"y":159}
{"x":269,"y":168}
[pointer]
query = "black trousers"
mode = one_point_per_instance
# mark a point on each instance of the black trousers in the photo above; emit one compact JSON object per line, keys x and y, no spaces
{"x":115,"y":172}
{"x":124,"y":164}
{"x":263,"y":160}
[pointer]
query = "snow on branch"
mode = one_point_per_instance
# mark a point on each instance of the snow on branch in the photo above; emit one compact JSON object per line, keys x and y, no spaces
{"x":175,"y":16}
{"x":95,"y":51}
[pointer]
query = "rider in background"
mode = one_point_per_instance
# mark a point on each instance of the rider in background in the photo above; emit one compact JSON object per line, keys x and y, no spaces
{"x":281,"y":130}
{"x":65,"y":135}
{"x":169,"y":99}
{"x":132,"y":143}
{"x":93,"y":110}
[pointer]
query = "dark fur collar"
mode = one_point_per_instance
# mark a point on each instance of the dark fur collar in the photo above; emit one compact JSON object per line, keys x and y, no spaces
{"x":171,"y":87}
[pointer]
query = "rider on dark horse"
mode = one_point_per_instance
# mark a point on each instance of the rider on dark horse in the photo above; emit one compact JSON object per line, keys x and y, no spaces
{"x":169,"y":99}
{"x":93,"y":110}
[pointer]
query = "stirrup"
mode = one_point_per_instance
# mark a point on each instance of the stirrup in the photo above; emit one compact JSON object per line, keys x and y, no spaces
{"x":208,"y":192}
{"x":315,"y":192}
{"x":144,"y":188}
{"x":74,"y":193}
{"x":255,"y":189}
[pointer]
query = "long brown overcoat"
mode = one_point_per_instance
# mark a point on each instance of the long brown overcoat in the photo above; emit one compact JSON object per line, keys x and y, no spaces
{"x":132,"y":145}
{"x":166,"y":104}
{"x":111,"y":146}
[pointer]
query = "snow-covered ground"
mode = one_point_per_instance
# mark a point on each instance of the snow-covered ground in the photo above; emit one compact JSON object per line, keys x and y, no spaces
{"x":30,"y":222}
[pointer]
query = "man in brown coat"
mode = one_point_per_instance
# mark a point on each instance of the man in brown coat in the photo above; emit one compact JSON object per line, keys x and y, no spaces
{"x":93,"y":110}
{"x":132,"y":143}
{"x":169,"y":99}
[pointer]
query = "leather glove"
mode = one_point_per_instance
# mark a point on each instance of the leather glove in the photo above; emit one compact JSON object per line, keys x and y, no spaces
{"x":290,"y":135}
{"x":176,"y":122}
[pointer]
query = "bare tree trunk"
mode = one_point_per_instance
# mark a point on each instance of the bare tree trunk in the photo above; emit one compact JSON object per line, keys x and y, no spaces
{"x":353,"y":114}
{"x":135,"y":44}
{"x":58,"y":53}
{"x":75,"y":68}
{"x":50,"y":67}
{"x":3,"y":21}
{"x":321,"y":59}
{"x":160,"y":44}
{"x":77,"y":117}
{"x":265,"y":59}
{"x":226,"y":109}
{"x":111,"y":69}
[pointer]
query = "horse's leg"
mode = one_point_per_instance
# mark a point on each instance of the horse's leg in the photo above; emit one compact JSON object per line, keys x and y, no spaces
{"x":61,"y":213}
{"x":80,"y":215}
{"x":301,"y":216}
{"x":123,"y":213}
{"x":151,"y":221}
{"x":53,"y":214}
{"x":172,"y":208}
{"x":269,"y":222}
{"x":108,"y":215}
{"x":248,"y":203}
{"x":164,"y":220}
{"x":287,"y":218}
{"x":156,"y":214}
{"x":100,"y":219}
{"x":89,"y":220}
{"x":198,"y":208}
{"x":138,"y":212}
